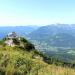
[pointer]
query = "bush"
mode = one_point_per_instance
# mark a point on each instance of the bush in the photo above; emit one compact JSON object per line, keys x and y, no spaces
{"x":23,"y":40}
{"x":29,"y":46}
{"x":16,"y":41}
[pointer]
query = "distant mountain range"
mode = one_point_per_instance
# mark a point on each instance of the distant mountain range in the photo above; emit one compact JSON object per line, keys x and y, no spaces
{"x":21,"y":30}
{"x":55,"y":35}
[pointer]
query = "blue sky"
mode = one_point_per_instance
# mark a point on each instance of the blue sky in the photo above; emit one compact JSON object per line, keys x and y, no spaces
{"x":36,"y":12}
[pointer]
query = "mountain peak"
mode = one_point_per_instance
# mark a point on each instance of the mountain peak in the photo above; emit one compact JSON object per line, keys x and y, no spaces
{"x":12,"y":40}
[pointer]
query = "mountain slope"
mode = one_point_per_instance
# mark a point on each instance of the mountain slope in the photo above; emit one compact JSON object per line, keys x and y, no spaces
{"x":15,"y":61}
{"x":61,"y":35}
{"x":19,"y":60}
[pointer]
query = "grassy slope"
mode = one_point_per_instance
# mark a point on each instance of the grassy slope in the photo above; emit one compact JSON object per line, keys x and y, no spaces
{"x":15,"y":61}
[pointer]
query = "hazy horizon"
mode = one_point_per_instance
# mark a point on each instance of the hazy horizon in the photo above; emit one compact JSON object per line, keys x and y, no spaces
{"x":35,"y":25}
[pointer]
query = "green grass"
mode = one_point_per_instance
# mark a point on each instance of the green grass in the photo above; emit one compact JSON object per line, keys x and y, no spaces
{"x":15,"y":61}
{"x":19,"y":60}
